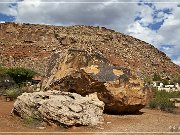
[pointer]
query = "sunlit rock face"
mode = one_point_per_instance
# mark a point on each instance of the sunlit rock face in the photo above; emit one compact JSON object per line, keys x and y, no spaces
{"x":85,"y":72}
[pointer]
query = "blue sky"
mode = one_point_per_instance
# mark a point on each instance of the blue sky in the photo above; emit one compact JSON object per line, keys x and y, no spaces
{"x":154,"y":21}
{"x":7,"y":18}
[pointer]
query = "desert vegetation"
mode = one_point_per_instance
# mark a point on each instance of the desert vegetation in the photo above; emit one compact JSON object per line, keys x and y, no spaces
{"x":20,"y":75}
{"x":161,"y":100}
{"x":165,"y":81}
{"x":13,"y":81}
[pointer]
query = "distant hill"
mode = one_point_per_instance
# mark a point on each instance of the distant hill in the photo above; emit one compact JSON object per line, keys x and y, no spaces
{"x":31,"y":46}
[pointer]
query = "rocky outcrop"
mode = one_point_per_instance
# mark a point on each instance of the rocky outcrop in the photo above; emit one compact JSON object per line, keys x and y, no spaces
{"x":30,"y":46}
{"x":62,"y":108}
{"x":84,"y":72}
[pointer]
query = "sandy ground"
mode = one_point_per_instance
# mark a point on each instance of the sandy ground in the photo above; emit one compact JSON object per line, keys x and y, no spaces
{"x":151,"y":121}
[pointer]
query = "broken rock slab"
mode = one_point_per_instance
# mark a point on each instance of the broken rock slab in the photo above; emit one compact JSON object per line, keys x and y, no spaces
{"x":62,"y":108}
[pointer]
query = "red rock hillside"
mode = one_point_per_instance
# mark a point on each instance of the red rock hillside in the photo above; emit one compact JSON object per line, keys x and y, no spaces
{"x":31,"y":46}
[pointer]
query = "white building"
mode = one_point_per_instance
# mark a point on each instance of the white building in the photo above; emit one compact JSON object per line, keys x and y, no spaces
{"x":160,"y":86}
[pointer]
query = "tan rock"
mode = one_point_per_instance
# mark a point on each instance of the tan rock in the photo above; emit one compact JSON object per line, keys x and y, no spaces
{"x":84,"y":72}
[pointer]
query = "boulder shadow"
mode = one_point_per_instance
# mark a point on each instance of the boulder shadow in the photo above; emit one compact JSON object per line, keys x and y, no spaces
{"x":124,"y":113}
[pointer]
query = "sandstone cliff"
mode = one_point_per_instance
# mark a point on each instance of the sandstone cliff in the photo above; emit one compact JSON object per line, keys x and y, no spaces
{"x":31,"y":46}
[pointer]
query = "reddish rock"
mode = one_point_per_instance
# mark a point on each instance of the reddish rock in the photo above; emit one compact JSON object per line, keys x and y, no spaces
{"x":30,"y":46}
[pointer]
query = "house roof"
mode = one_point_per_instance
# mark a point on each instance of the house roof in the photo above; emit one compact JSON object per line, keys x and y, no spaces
{"x":37,"y":77}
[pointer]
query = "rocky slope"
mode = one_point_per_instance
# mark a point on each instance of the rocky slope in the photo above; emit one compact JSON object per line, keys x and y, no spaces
{"x":31,"y":46}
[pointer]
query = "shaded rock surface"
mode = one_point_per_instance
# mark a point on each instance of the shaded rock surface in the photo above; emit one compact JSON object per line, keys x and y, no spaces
{"x":62,"y":108}
{"x":84,"y":72}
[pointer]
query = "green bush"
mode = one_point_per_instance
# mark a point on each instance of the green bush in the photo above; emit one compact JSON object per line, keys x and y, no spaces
{"x":13,"y":92}
{"x":3,"y":70}
{"x":176,"y":79}
{"x":166,"y":106}
{"x":148,"y":81}
{"x":162,"y":101}
{"x":153,"y":104}
{"x":165,"y":82}
{"x":21,"y":75}
{"x":32,"y":121}
{"x":156,"y":77}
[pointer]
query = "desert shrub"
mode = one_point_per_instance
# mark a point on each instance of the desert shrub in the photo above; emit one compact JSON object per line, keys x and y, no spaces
{"x":153,"y":104}
{"x":148,"y":81}
{"x":161,"y":100}
{"x":32,"y":121}
{"x":2,"y":70}
{"x":176,"y":79}
{"x":166,"y":105}
{"x":29,"y":120}
{"x":156,"y":77}
{"x":13,"y":92}
{"x":165,"y":82}
{"x":21,"y":75}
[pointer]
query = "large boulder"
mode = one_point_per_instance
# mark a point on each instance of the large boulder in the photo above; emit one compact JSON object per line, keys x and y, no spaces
{"x":63,"y":108}
{"x":84,"y":72}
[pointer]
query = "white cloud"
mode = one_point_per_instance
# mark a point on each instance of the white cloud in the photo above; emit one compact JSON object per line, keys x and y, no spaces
{"x":177,"y":61}
{"x":146,"y":15}
{"x":170,"y":31}
{"x":7,"y":8}
{"x":144,"y":33}
{"x":167,"y":34}
{"x":170,"y":28}
{"x":111,"y":15}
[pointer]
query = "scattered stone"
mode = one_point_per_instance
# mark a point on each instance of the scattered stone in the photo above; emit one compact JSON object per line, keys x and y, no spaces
{"x":100,"y":128}
{"x":41,"y":128}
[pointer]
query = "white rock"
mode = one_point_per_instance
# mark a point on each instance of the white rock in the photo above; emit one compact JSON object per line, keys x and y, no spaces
{"x":62,"y":108}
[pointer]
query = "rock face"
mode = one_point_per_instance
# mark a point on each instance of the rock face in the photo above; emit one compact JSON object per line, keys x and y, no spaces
{"x":30,"y":46}
{"x":84,"y":72}
{"x":62,"y":108}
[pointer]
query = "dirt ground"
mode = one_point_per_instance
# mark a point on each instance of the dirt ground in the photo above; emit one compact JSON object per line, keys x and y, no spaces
{"x":148,"y":121}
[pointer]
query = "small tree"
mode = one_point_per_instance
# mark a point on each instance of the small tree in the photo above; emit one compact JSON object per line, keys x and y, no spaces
{"x":147,"y":81}
{"x":165,"y":82}
{"x":13,"y":92}
{"x":156,"y":77}
{"x":21,"y":75}
{"x":176,"y":79}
